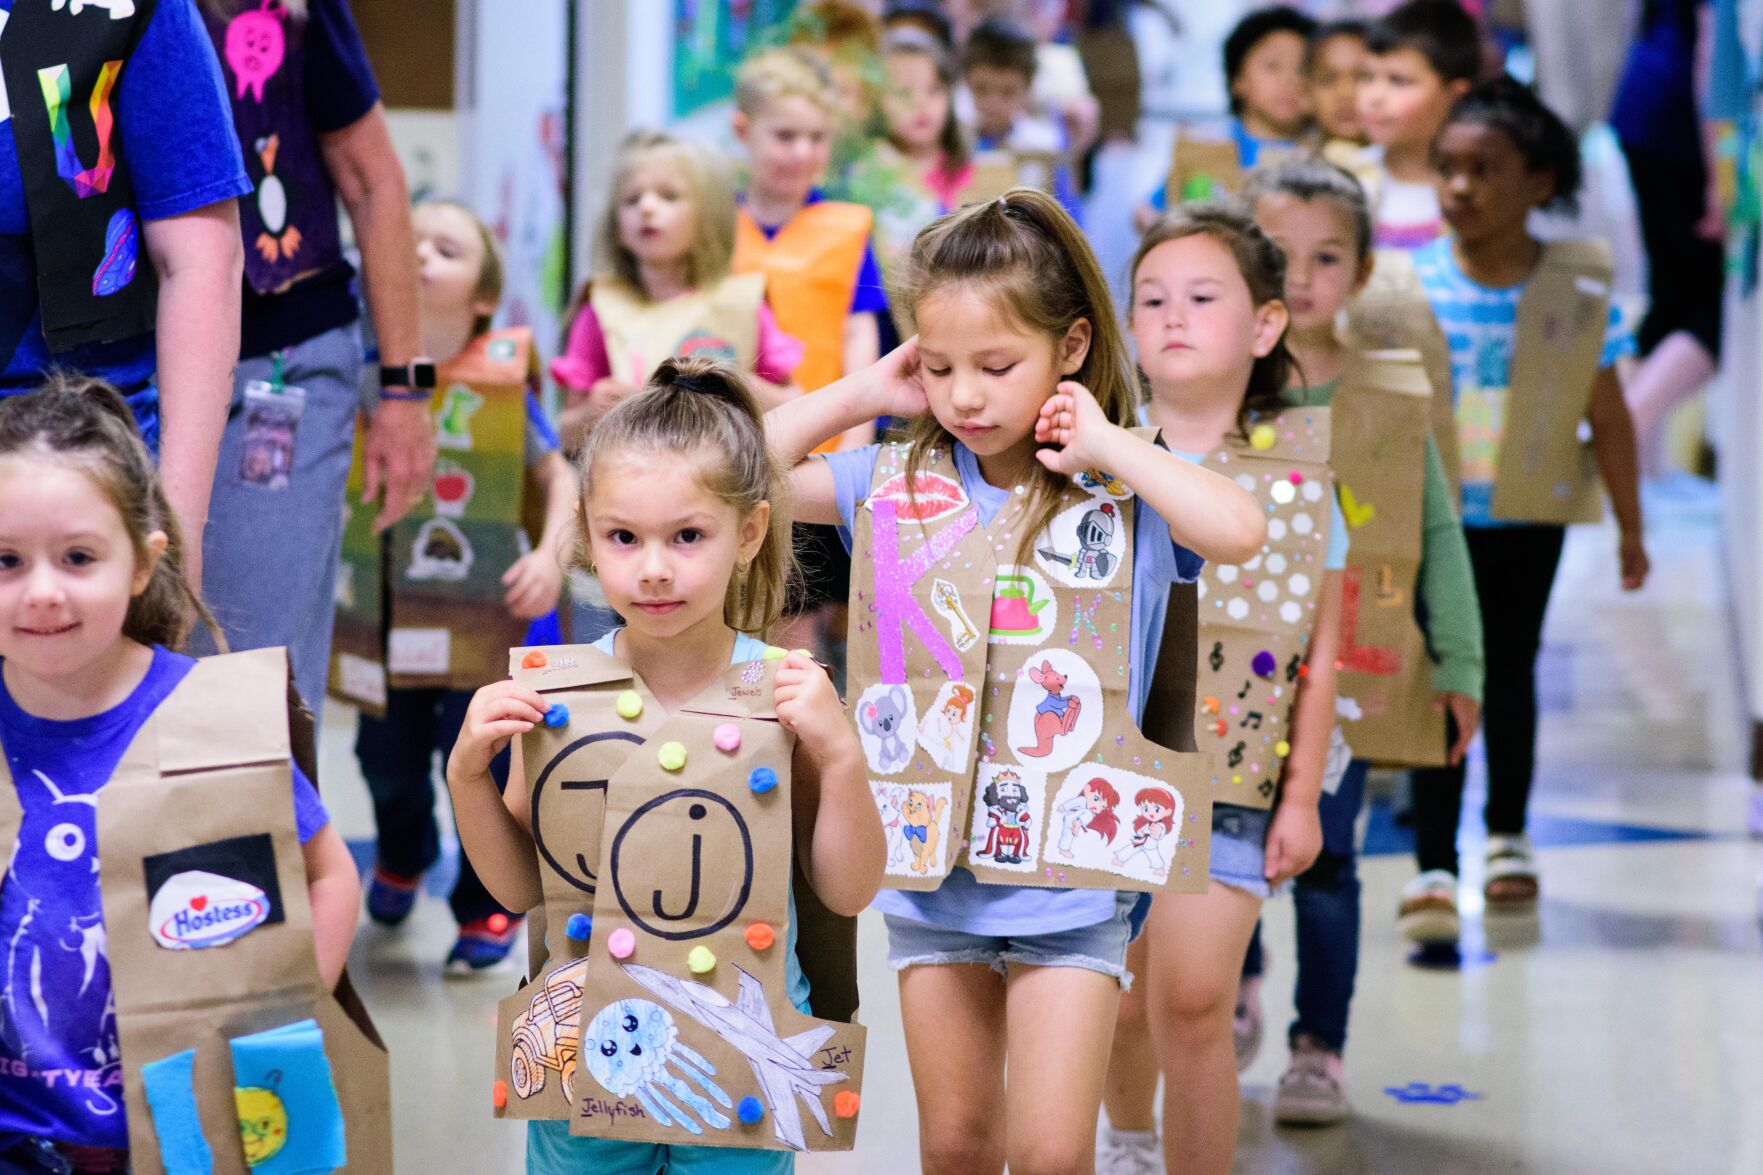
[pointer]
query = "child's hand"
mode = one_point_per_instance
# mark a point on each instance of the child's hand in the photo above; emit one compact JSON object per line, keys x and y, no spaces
{"x":1072,"y":420}
{"x":894,"y":383}
{"x":808,"y":706}
{"x":1467,"y":713}
{"x":534,"y":584}
{"x":497,"y":713}
{"x":1294,"y":840}
{"x":1635,"y":566}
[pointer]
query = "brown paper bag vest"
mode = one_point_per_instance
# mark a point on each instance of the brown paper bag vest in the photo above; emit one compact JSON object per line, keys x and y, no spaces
{"x":210,"y":766}
{"x":421,"y":606}
{"x":1255,"y":619}
{"x":678,"y":1012}
{"x":1202,"y":169}
{"x":720,"y":321}
{"x":993,"y":693}
{"x":1546,"y":472}
{"x":1392,"y":313}
{"x":1380,"y":424}
{"x":996,"y":172}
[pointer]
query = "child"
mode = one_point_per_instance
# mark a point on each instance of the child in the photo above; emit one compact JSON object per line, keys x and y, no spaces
{"x":1019,"y":375}
{"x":1269,"y":106}
{"x":94,"y":600}
{"x":1210,"y":325}
{"x":1319,"y":218}
{"x":1337,"y":55}
{"x":664,"y":246}
{"x":682,"y":520}
{"x":1421,"y":58}
{"x":822,"y":280}
{"x":461,"y":287}
{"x":999,"y":62}
{"x":1500,"y":155}
{"x":920,"y":169}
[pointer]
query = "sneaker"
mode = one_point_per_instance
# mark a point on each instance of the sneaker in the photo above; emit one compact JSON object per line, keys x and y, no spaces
{"x":1313,"y":1091}
{"x":390,"y":897}
{"x":1511,"y":873}
{"x":1428,"y":913}
{"x":1129,"y":1152}
{"x":483,"y":946}
{"x":1246,"y":1023}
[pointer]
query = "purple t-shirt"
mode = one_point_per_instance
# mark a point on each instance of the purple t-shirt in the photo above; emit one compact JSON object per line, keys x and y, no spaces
{"x":962,"y":902}
{"x":60,"y":1066}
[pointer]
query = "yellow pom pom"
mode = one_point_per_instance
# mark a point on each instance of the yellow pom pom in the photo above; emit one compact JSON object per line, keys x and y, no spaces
{"x":701,"y":960}
{"x":630,"y":704}
{"x":671,"y":756}
{"x":773,"y":653}
{"x":1263,"y":436}
{"x":1282,"y":748}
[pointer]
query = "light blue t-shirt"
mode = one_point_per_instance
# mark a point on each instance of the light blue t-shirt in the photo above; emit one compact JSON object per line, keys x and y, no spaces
{"x":962,"y":902}
{"x":1480,"y":324}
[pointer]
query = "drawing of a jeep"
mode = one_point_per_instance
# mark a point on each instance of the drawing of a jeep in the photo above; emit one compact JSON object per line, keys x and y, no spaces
{"x":548,"y":1034}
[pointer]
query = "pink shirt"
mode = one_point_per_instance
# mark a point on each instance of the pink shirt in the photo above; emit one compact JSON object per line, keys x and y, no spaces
{"x":584,"y":360}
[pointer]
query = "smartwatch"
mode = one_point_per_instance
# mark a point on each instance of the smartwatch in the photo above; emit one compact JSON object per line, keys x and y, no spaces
{"x":416,"y":380}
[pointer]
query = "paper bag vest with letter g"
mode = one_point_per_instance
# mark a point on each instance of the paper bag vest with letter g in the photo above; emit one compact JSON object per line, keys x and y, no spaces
{"x":421,"y":606}
{"x":666,"y":842}
{"x":1256,"y":618}
{"x":994,"y":710}
{"x":208,"y":925}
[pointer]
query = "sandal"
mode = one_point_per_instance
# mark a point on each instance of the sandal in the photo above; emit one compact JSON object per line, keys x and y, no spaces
{"x":1511,"y":873}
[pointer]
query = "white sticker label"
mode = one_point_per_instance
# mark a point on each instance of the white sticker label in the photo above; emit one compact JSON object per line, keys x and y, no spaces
{"x":419,"y":650}
{"x":197,"y":909}
{"x":362,"y":679}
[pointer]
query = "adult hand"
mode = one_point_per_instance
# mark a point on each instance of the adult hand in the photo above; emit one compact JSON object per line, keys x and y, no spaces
{"x":400,"y":458}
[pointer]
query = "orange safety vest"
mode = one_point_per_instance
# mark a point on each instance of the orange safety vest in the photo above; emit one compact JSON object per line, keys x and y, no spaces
{"x":810,"y":269}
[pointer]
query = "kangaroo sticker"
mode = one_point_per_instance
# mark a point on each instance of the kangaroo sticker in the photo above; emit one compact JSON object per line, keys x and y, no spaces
{"x":1055,"y":711}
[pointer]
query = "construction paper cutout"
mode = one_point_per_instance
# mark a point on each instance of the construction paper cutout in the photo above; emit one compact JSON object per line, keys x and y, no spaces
{"x":289,"y":1116}
{"x":651,"y":833}
{"x":567,"y":775}
{"x":255,"y":47}
{"x":279,"y":240}
{"x":121,"y":251}
{"x":1084,"y":545}
{"x":785,"y":1066}
{"x":213,"y":894}
{"x":441,"y":551}
{"x":1004,"y":831}
{"x":887,"y":727}
{"x":171,"y":1097}
{"x":946,"y":732}
{"x":632,"y":1048}
{"x":933,"y":496}
{"x":1055,"y":710}
{"x":453,"y":425}
{"x":57,"y":90}
{"x":915,"y":821}
{"x":1024,"y":609}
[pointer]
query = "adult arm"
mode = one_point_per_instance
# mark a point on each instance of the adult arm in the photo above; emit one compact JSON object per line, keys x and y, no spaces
{"x":199,"y":261}
{"x":400,"y":447}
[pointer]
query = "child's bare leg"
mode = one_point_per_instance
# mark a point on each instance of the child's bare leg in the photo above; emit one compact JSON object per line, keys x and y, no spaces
{"x":1059,"y":1042}
{"x":1130,"y":1091}
{"x":955,"y":1039}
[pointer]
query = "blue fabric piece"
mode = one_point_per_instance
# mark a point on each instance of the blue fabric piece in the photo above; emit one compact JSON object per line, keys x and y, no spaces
{"x":871,"y":294}
{"x":1481,"y":324}
{"x":175,"y":134}
{"x":290,"y":1063}
{"x":59,"y":1074}
{"x":541,"y":438}
{"x":750,"y":648}
{"x":171,"y":1096}
{"x":962,"y":902}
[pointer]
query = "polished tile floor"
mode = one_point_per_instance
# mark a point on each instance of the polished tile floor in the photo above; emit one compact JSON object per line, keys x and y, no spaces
{"x":1619,"y":1030}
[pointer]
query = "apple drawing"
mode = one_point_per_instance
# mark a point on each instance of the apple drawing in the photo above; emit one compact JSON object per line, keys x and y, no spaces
{"x":453,"y":487}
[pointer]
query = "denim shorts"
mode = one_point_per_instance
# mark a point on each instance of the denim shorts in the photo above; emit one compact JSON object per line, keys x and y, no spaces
{"x":1239,"y":848}
{"x":1099,"y":947}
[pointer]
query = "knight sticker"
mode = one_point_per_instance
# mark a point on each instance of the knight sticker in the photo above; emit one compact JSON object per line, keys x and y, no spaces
{"x":1083,"y":546}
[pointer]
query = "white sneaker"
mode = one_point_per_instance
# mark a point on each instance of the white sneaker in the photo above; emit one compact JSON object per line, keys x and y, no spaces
{"x":1511,"y":873}
{"x":1428,"y":913}
{"x":1129,"y":1152}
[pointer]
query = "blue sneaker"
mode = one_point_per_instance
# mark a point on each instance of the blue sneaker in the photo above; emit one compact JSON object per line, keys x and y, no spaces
{"x":483,"y":946}
{"x":390,"y":898}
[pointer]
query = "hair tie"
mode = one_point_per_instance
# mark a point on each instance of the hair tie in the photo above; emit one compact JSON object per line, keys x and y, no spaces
{"x":689,"y":383}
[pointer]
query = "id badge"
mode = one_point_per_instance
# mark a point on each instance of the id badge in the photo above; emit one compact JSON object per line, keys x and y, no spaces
{"x":272,"y":421}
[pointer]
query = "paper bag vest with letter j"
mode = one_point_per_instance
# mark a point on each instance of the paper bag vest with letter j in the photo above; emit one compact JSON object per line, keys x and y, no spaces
{"x":1255,"y":618}
{"x":994,"y":708}
{"x":429,"y":612}
{"x":223,"y":1021}
{"x":666,"y":839}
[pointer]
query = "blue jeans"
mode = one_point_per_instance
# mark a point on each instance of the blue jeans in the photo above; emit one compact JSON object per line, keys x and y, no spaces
{"x":1327,"y":899}
{"x":270,"y":556}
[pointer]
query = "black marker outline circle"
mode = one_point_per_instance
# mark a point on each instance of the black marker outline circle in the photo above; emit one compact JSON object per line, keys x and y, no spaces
{"x":539,"y":789}
{"x":746,"y":851}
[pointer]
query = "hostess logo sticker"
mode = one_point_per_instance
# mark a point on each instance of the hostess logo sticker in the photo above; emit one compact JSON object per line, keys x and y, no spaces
{"x":213,"y":894}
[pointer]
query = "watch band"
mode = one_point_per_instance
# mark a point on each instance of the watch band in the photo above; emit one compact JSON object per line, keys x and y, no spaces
{"x":418,"y":374}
